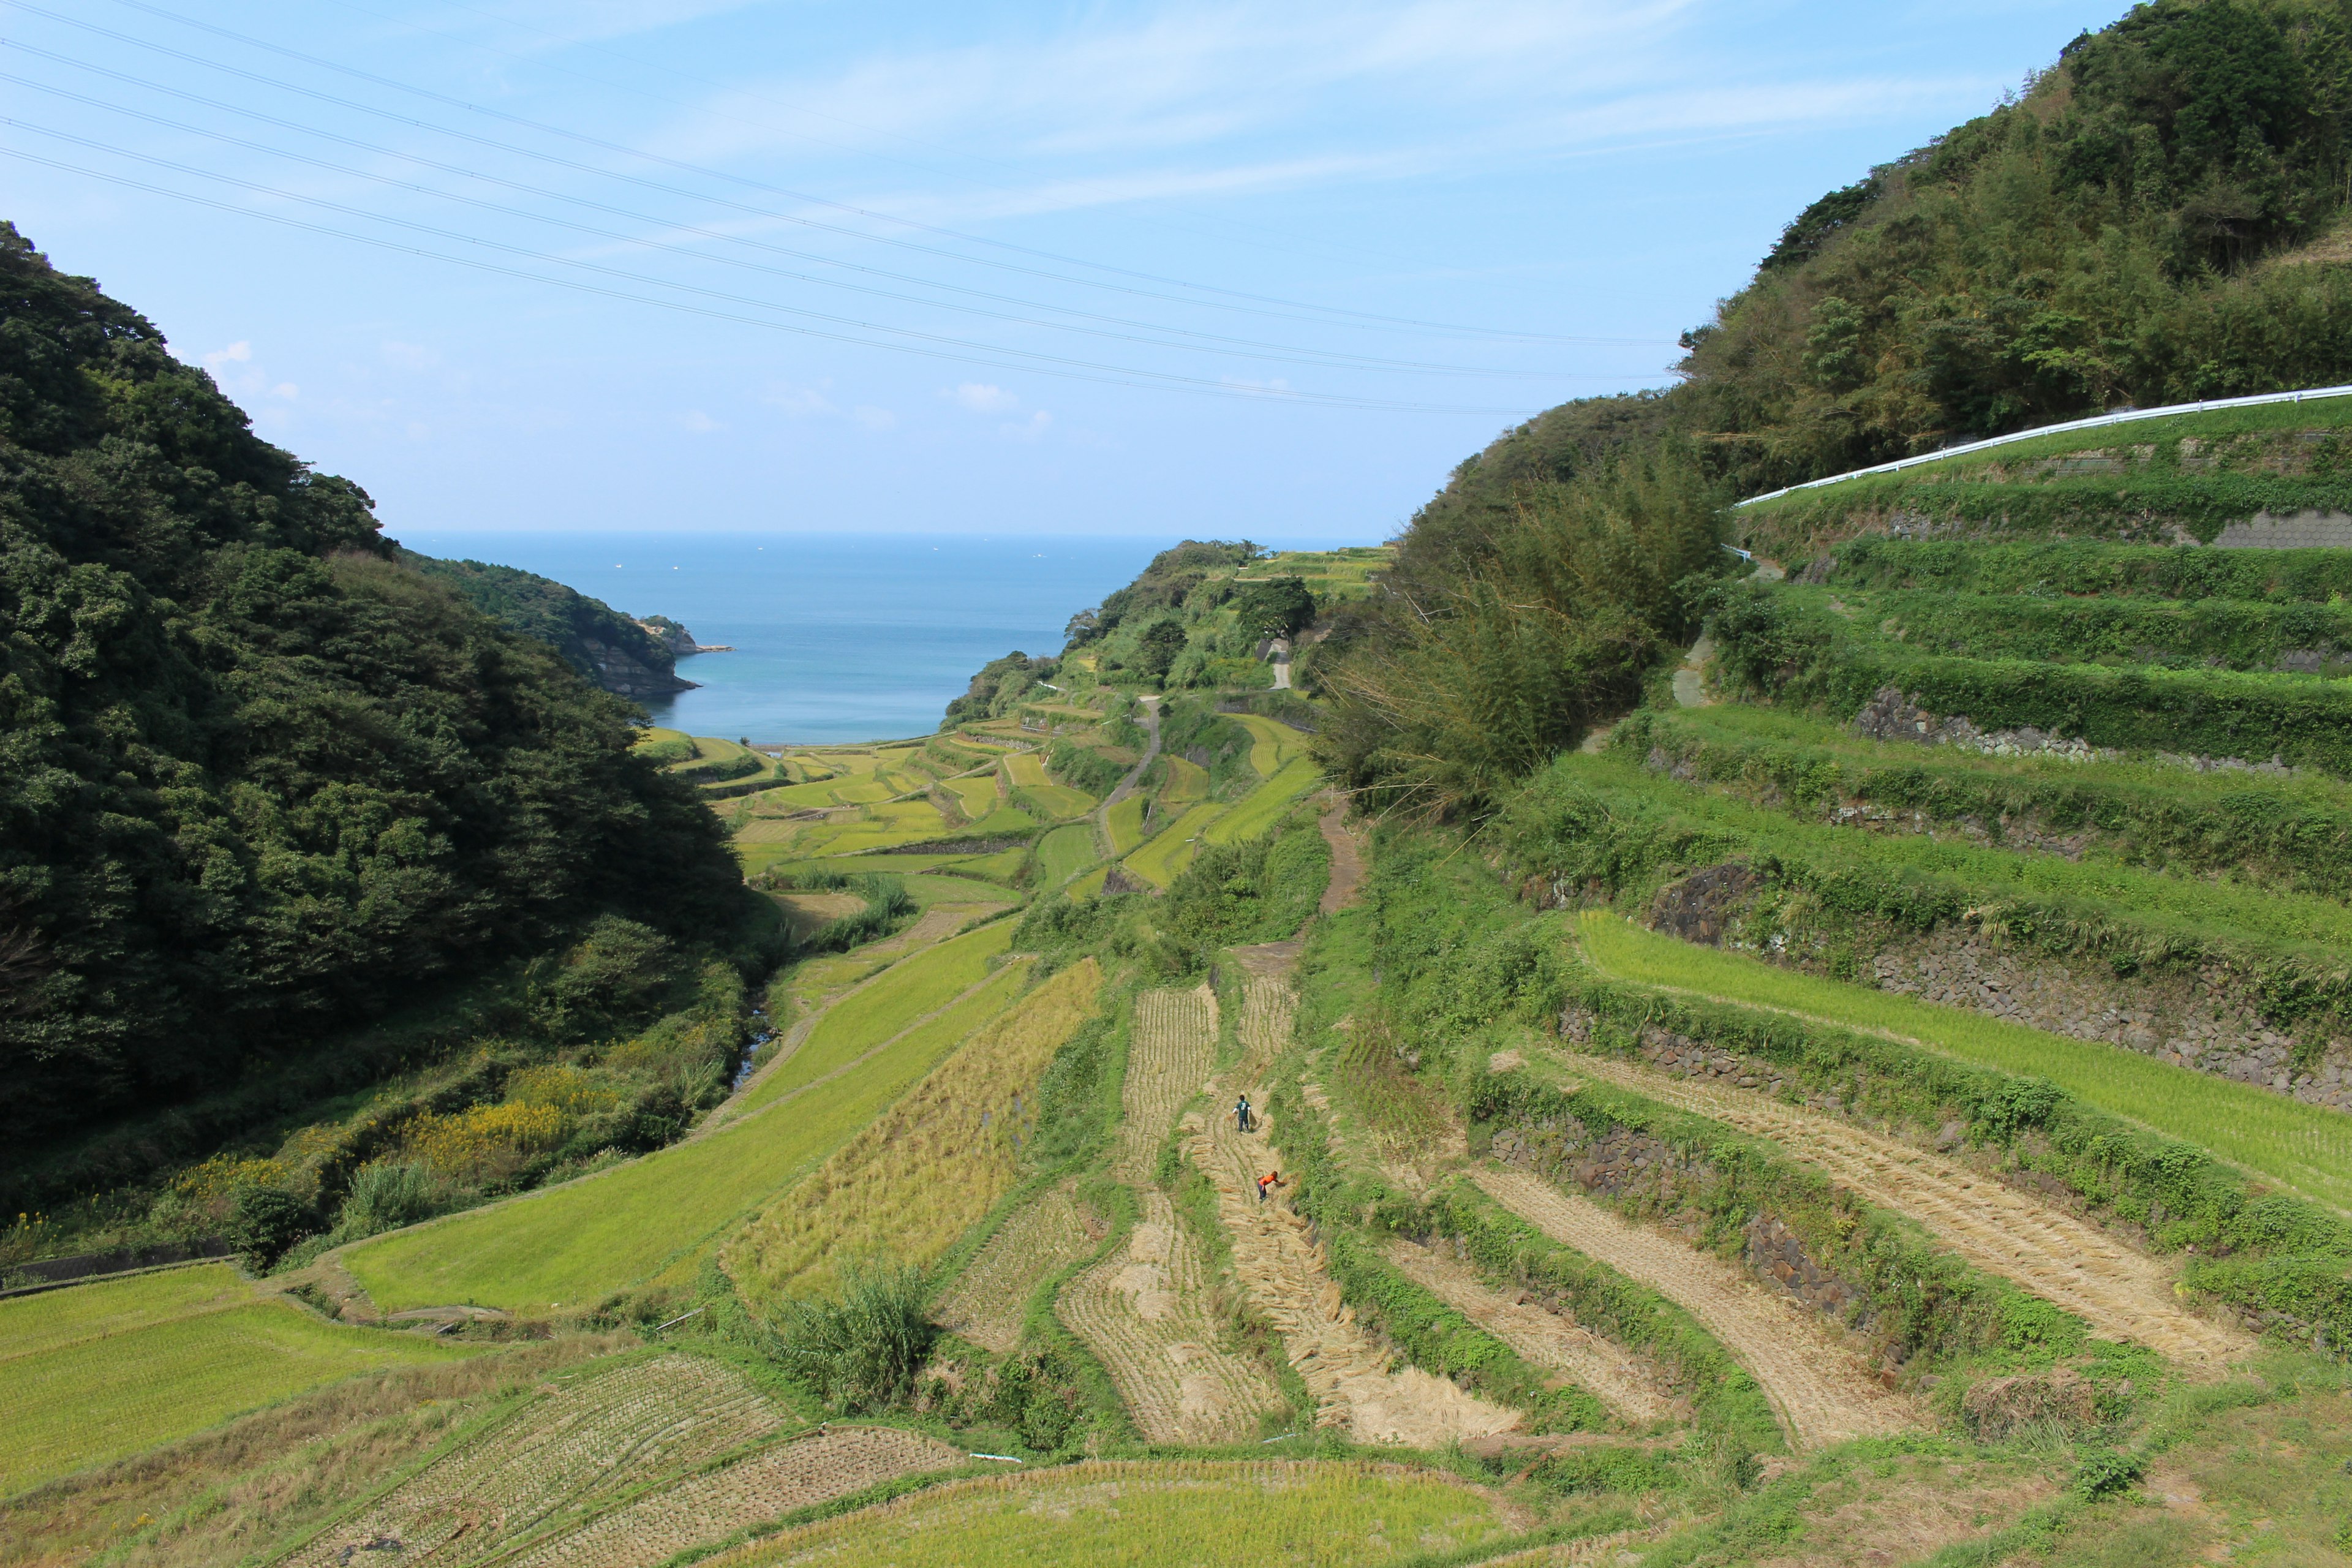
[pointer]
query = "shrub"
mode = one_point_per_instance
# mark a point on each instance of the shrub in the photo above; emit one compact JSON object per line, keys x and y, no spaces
{"x":387,"y":1195}
{"x":860,"y":1350}
{"x":262,"y":1222}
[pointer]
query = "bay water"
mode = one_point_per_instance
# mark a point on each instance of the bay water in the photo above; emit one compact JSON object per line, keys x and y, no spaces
{"x":835,"y":637}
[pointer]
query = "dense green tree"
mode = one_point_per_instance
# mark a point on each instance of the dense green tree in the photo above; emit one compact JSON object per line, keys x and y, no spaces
{"x":1278,"y":607}
{"x":258,"y":780}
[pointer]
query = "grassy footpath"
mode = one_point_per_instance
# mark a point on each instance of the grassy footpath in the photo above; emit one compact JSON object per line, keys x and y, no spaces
{"x":572,"y":1245}
{"x":895,"y":998}
{"x":2307,"y":1148}
{"x":136,"y":1379}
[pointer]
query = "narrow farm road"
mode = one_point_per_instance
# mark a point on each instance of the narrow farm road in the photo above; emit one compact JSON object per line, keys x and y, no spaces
{"x":1820,"y":1389}
{"x":2067,"y":1261}
{"x":1103,"y":840}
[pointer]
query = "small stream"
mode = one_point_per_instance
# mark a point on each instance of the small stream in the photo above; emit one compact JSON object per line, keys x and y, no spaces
{"x":760,"y":1035}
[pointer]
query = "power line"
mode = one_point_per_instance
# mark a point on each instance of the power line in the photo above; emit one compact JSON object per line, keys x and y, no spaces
{"x":1329,"y":358}
{"x":958,"y":351}
{"x":586,"y":140}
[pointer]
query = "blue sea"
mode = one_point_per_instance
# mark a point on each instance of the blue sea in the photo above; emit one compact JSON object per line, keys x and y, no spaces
{"x":837,"y":636}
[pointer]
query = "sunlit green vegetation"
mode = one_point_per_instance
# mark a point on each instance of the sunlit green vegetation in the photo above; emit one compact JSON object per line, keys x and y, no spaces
{"x":1125,"y":821}
{"x":33,"y":1325}
{"x":1065,"y":852}
{"x":66,"y":1406}
{"x":1172,"y":847}
{"x":1160,"y":1513}
{"x":896,"y":998}
{"x":1264,"y":806}
{"x":2307,"y":1148}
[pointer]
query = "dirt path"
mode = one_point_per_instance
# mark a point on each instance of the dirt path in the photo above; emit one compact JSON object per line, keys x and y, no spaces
{"x":703,"y":1509}
{"x":2065,"y":1260}
{"x":1821,"y":1390}
{"x":1630,"y":1386}
{"x":1144,"y":1313}
{"x":1347,"y":861}
{"x":1046,"y":1236}
{"x":1126,"y":786}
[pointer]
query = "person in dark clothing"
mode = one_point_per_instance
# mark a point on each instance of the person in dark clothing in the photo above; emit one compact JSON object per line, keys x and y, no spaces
{"x":1241,"y":1114}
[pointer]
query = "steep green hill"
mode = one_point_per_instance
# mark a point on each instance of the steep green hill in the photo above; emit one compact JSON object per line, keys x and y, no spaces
{"x":258,"y":781}
{"x":594,"y":638}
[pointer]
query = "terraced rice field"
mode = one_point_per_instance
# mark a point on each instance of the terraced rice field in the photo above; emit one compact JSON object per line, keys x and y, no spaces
{"x":1818,"y":1386}
{"x":890,"y":1001}
{"x":817,"y":1467}
{"x":2305,"y":1147}
{"x":1186,"y":781}
{"x":1287,"y":1276}
{"x":1272,"y":745}
{"x":1160,"y":1514}
{"x":1144,"y":1312}
{"x":1044,"y":1236}
{"x":1635,"y":1391}
{"x":1259,"y":810}
{"x":932,"y":1166}
{"x":134,"y":1364}
{"x":569,"y":1247}
{"x":2067,"y":1261}
{"x":977,"y":796}
{"x":1163,"y":860}
{"x":1125,"y":824}
{"x":596,"y":1435}
{"x":1168,"y":1063}
{"x":1065,"y":852}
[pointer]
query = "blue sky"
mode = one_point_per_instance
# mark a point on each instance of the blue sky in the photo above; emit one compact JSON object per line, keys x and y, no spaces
{"x":1154,"y":269}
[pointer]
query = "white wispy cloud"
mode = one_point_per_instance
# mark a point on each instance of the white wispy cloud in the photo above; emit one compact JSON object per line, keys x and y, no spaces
{"x":1197,"y":99}
{"x":982,"y":397}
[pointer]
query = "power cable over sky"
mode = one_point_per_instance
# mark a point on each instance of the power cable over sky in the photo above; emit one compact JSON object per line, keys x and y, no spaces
{"x":1158,"y":269}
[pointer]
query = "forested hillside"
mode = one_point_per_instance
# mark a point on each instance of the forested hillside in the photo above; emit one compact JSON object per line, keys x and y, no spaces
{"x":258,"y":779}
{"x":601,"y":643}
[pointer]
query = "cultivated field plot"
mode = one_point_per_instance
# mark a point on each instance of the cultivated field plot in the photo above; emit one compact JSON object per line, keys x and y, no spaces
{"x":762,"y":1486}
{"x":1144,"y":1312}
{"x":1166,"y":1064}
{"x":1818,"y":1386}
{"x":977,"y":796}
{"x":570,"y":1245}
{"x":1037,"y":1241}
{"x":2067,"y":1261}
{"x":1635,"y":1391}
{"x":1163,"y":860}
{"x":1264,"y":806}
{"x":1027,"y":771}
{"x":1124,"y":822}
{"x":84,"y":1402}
{"x":1288,"y":1278}
{"x":1065,"y":852}
{"x":1272,"y":745}
{"x":890,"y":1001}
{"x":1160,"y":1514}
{"x":591,"y":1438}
{"x":933,"y":1164}
{"x":32,"y":1324}
{"x":1186,"y":782}
{"x":2305,"y":1147}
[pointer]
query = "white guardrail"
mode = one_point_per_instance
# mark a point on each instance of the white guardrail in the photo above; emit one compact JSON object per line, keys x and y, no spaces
{"x":2095,"y":422}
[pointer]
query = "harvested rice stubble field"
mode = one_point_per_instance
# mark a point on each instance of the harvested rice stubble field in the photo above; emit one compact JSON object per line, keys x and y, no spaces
{"x":2307,"y":1148}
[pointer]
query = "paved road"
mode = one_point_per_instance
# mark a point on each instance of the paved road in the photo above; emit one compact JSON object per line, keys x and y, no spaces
{"x":1126,"y":785}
